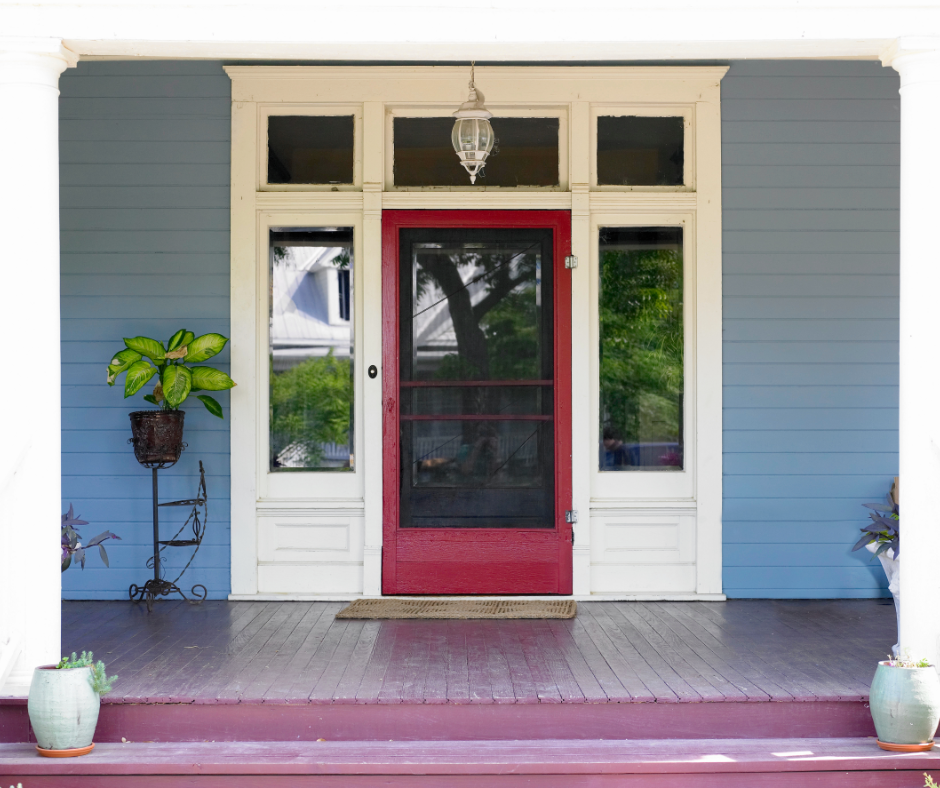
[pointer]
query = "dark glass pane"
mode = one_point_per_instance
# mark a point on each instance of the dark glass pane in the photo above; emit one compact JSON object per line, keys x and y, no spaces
{"x":638,"y":151}
{"x":641,"y":341}
{"x":311,"y":349}
{"x":310,"y":148}
{"x":476,"y":403}
{"x":525,"y":153}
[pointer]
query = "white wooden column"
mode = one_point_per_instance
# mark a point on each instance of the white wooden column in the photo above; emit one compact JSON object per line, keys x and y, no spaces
{"x":30,"y":397}
{"x":920,"y":348}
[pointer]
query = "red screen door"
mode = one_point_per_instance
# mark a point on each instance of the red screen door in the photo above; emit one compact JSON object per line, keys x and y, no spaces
{"x":477,"y":402}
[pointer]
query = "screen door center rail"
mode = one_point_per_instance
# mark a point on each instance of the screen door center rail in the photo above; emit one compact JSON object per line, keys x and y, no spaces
{"x":433,"y":384}
{"x":474,"y":417}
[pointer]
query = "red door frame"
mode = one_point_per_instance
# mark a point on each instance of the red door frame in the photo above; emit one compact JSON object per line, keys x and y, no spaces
{"x":456,"y":561}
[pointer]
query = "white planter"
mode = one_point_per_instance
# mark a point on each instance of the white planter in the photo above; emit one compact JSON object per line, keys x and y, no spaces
{"x":63,"y":708}
{"x":892,"y":567}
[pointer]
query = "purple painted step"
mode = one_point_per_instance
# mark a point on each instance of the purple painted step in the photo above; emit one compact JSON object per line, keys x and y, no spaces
{"x":699,"y":763}
{"x":442,"y":722}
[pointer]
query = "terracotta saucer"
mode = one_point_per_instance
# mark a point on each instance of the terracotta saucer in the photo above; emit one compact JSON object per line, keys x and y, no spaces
{"x":906,"y":747}
{"x":70,"y":753}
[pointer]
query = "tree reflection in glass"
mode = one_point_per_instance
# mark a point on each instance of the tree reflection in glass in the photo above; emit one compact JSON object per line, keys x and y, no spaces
{"x":476,"y":377}
{"x":311,"y":349}
{"x":641,"y":349}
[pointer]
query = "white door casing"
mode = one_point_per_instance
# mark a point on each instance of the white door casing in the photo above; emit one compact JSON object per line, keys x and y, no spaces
{"x":639,"y":535}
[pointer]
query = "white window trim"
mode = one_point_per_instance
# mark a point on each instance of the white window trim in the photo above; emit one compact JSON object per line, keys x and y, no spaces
{"x":374,"y":93}
{"x":324,"y":486}
{"x":648,"y":485}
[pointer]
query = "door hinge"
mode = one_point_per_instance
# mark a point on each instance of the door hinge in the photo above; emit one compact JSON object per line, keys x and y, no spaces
{"x":571,"y":261}
{"x":571,"y":516}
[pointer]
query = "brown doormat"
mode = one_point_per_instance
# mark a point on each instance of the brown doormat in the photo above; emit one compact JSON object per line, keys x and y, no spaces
{"x":459,"y":608}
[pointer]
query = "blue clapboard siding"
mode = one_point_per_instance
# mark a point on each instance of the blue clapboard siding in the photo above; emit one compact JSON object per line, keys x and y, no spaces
{"x":144,"y":153}
{"x":810,"y":154}
{"x":810,"y":176}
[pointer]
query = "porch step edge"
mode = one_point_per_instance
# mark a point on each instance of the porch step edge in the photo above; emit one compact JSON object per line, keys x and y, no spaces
{"x":532,"y":757}
{"x":232,"y":722}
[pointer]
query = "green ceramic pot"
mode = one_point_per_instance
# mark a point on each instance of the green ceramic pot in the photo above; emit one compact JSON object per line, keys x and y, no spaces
{"x":905,"y":704}
{"x":63,"y":707}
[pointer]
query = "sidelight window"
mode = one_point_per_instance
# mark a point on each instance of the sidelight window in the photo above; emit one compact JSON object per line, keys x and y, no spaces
{"x":311,"y":349}
{"x":641,"y":349}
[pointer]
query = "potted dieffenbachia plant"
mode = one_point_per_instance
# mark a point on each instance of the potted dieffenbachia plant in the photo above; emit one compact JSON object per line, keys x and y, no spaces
{"x":158,"y":434}
{"x":64,"y":701}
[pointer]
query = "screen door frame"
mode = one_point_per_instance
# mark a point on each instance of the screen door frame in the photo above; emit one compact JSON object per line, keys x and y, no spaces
{"x":476,"y":560}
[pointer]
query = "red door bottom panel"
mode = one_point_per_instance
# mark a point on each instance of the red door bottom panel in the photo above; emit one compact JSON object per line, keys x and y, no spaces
{"x":459,"y":562}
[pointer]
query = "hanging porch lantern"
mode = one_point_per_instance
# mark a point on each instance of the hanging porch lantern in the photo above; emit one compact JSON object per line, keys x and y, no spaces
{"x":472,"y":136}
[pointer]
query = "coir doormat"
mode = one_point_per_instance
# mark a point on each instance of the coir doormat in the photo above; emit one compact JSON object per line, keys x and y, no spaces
{"x":458,"y":608}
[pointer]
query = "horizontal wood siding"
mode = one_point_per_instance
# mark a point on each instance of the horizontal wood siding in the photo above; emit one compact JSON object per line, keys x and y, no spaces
{"x":810,"y":173}
{"x":144,"y":153}
{"x":810,"y":168}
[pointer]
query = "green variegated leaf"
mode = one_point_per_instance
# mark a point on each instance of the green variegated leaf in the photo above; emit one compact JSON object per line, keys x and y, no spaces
{"x":150,"y":398}
{"x":124,"y":359}
{"x":210,"y":379}
{"x":146,"y":347}
{"x":211,"y":405}
{"x":176,"y":340}
{"x":188,"y":337}
{"x":177,"y":382}
{"x":137,"y":375}
{"x":204,"y":347}
{"x":120,"y":362}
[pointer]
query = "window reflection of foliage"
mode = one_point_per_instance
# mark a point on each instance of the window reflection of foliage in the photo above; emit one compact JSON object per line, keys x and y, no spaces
{"x":512,"y":333}
{"x":310,"y":406}
{"x":341,"y":261}
{"x":641,"y":344}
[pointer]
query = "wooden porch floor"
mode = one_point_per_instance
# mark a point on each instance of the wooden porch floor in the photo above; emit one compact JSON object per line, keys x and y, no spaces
{"x":297,"y":653}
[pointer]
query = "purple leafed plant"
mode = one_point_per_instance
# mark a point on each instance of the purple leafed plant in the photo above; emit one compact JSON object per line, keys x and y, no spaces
{"x":884,"y":529}
{"x":72,"y":546}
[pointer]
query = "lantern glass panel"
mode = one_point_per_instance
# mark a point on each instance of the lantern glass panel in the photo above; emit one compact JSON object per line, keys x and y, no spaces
{"x":472,"y":134}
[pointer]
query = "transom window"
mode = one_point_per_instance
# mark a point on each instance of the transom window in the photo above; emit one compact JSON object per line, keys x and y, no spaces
{"x":525,"y":153}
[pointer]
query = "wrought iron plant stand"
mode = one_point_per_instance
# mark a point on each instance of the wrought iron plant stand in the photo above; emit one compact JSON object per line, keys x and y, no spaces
{"x":158,"y":586}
